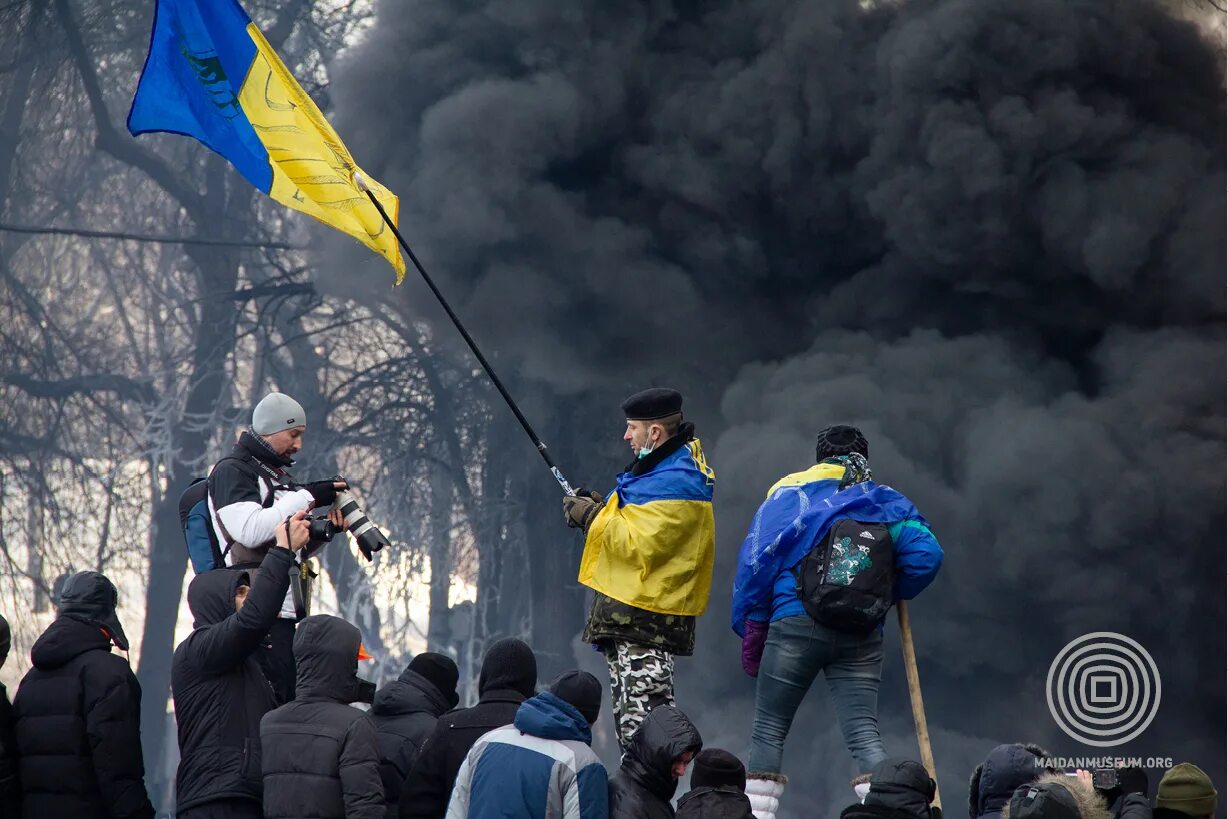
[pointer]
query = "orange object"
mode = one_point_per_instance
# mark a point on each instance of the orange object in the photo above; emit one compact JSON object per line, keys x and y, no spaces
{"x":362,"y":653}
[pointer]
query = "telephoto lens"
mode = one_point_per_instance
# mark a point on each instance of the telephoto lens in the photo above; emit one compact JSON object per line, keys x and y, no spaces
{"x":370,"y":539}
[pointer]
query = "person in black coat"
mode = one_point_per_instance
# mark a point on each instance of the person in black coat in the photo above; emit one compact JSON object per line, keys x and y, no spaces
{"x":78,"y":714}
{"x":656,"y":759}
{"x":718,"y":788}
{"x":994,"y":781}
{"x":220,"y":689}
{"x":10,"y":784}
{"x":508,"y":678}
{"x":404,"y":714}
{"x":320,"y":757}
{"x":899,"y":789}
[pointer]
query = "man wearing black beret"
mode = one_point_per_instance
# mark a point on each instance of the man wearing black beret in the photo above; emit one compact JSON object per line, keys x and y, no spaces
{"x":648,"y":554}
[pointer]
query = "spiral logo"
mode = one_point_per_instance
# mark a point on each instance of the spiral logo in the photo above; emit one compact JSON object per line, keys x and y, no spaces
{"x":1103,"y":689}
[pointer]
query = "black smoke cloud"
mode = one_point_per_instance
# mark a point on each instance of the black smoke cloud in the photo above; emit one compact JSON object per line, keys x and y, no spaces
{"x":991,"y":233}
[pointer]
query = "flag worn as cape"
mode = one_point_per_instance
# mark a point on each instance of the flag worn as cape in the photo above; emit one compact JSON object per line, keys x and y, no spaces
{"x":652,"y":545}
{"x":799,"y":509}
{"x":211,"y":75}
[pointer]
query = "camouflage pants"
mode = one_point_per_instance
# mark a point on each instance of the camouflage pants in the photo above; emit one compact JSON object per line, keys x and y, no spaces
{"x":641,"y":678}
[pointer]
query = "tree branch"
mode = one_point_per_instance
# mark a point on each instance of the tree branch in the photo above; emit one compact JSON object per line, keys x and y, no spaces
{"x":121,"y":385}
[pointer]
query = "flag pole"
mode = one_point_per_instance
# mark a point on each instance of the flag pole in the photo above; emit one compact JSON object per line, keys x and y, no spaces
{"x":914,"y":696}
{"x":473,"y":346}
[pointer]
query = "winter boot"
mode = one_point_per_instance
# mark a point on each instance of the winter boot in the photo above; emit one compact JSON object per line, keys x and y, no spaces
{"x":764,"y":791}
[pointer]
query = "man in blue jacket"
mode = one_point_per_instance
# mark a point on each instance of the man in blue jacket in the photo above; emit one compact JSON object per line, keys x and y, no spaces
{"x":542,"y":765}
{"x":778,"y":600}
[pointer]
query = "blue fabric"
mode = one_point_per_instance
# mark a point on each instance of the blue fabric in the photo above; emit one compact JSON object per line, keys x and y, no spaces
{"x":199,"y":57}
{"x":510,"y":782}
{"x":594,"y":784}
{"x":792,"y":520}
{"x":550,"y":717}
{"x":677,"y":477}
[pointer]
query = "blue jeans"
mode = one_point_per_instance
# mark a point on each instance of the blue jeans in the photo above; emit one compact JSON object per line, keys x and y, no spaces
{"x":797,"y":649}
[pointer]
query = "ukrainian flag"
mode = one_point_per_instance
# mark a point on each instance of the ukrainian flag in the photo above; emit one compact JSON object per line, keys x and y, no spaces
{"x":653,"y":543}
{"x":211,"y":75}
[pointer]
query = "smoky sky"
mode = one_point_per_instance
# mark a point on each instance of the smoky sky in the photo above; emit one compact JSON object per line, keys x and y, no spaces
{"x":989,"y":233}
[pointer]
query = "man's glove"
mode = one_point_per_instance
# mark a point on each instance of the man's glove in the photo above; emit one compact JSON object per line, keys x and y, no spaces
{"x":323,"y":492}
{"x":580,"y":509}
{"x":754,"y":639}
{"x":1133,"y":779}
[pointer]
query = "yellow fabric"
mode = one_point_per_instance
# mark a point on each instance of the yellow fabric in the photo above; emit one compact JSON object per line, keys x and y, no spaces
{"x":655,"y":556}
{"x":818,"y":472}
{"x":313,"y":171}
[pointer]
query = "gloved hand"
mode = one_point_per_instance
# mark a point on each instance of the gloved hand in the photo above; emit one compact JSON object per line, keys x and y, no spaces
{"x":1133,"y":779}
{"x":580,"y":509}
{"x":754,"y":638}
{"x":325,"y":492}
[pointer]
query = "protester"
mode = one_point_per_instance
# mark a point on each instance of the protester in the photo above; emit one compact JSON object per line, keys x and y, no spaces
{"x":250,"y":494}
{"x":648,"y":555}
{"x":320,"y":759}
{"x":404,"y":714}
{"x":655,"y":760}
{"x":507,"y":679}
{"x":995,"y":780}
{"x":10,"y":784}
{"x":718,"y":788}
{"x":219,"y":688}
{"x":77,"y":713}
{"x":1185,"y":791}
{"x":899,"y":789}
{"x":541,"y":766}
{"x":827,"y":554}
{"x":1057,"y":796}
{"x":1128,"y":798}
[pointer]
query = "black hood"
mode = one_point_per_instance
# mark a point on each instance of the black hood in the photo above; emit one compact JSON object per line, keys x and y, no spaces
{"x":326,"y":651}
{"x":6,"y":640}
{"x":91,"y":598}
{"x":665,"y":735}
{"x":211,"y":595}
{"x":903,"y":786}
{"x":1005,"y":769}
{"x":411,"y":693}
{"x":65,"y":639}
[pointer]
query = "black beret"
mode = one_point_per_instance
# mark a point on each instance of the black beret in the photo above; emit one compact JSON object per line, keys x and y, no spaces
{"x":653,"y":404}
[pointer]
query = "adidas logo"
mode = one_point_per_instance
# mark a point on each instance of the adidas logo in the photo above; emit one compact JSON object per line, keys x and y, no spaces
{"x":866,"y":535}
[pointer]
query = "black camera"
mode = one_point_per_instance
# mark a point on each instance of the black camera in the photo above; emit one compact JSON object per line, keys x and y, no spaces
{"x":320,"y":529}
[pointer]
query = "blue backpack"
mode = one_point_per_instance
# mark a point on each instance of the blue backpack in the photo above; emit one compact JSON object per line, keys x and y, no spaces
{"x":205,"y":553}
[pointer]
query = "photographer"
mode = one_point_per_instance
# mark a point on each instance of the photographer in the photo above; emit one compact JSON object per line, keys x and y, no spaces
{"x":250,"y":494}
{"x":219,"y":688}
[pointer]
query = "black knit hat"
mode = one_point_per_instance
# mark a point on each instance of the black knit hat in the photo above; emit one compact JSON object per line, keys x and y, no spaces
{"x":439,"y":671}
{"x":1043,"y":800}
{"x":579,"y":689}
{"x":714,"y":767}
{"x":653,"y":404}
{"x":841,"y":440}
{"x":509,"y":664}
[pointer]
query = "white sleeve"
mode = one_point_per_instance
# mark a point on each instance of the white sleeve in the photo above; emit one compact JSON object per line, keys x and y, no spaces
{"x":250,"y":524}
{"x":458,"y":805}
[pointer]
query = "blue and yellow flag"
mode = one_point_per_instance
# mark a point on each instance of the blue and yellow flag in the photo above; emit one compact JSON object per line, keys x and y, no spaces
{"x":653,"y":543}
{"x":211,"y":75}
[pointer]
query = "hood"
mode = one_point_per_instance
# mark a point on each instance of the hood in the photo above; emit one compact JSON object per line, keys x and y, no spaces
{"x":903,"y":786}
{"x":211,"y":595}
{"x":6,"y":640}
{"x":411,"y":693}
{"x":326,"y":651}
{"x":1080,"y":800}
{"x":723,"y":801}
{"x":64,"y":639}
{"x":548,"y":716}
{"x":1006,"y":768}
{"x":665,"y":735}
{"x":91,"y":598}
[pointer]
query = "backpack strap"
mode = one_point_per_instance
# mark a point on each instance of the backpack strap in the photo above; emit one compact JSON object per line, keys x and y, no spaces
{"x":265,"y":503}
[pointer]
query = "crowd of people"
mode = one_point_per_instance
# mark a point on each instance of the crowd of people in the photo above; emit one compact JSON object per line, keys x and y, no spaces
{"x":264,"y":691}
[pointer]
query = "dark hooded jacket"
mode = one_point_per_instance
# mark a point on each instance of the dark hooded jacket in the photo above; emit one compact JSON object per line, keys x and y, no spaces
{"x":995,"y":780}
{"x":10,"y":784}
{"x":645,"y":784}
{"x":320,"y":758}
{"x":508,"y":678}
{"x":219,"y":688}
{"x":725,"y":802}
{"x":78,"y":728}
{"x":899,"y":789}
{"x":404,"y":714}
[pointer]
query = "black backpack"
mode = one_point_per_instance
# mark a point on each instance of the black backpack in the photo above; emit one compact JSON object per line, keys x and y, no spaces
{"x":847,"y":581}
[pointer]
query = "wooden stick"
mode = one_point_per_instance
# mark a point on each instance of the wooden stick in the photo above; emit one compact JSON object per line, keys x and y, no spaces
{"x":914,"y":696}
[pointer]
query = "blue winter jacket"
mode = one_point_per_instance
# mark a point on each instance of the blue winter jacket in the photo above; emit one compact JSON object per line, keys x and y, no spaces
{"x":539,"y":767}
{"x":797,"y":512}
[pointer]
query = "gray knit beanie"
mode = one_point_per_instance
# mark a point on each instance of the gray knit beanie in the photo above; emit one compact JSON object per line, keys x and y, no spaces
{"x":275,"y":412}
